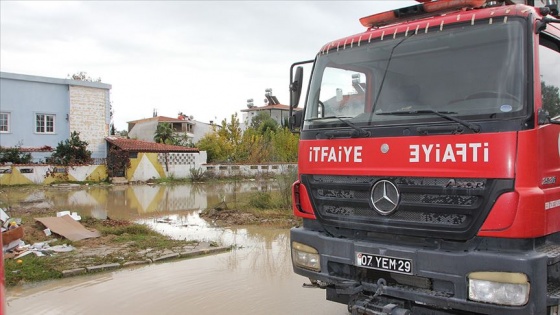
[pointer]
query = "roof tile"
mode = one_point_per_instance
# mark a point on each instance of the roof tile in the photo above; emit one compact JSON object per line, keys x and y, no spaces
{"x":145,"y":146}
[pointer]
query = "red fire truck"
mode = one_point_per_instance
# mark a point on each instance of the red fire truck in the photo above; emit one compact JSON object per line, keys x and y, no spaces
{"x":429,"y":161}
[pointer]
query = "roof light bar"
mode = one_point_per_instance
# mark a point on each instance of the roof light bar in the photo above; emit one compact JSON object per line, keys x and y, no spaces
{"x":419,"y":10}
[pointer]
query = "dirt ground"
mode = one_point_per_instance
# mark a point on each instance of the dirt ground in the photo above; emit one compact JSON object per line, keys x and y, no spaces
{"x":33,"y":231}
{"x":105,"y":249}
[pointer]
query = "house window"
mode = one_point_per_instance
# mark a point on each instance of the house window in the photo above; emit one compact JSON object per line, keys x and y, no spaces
{"x":44,"y":123}
{"x":5,"y":122}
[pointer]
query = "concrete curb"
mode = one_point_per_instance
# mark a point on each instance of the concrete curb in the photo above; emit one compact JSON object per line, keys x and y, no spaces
{"x":73,"y":272}
{"x":163,"y":258}
{"x":166,"y":257}
{"x":206,"y":251}
{"x":102,"y":267}
{"x":137,"y":263}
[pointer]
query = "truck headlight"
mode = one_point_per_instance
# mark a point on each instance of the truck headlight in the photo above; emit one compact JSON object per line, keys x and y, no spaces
{"x":504,"y":288}
{"x":305,"y":256}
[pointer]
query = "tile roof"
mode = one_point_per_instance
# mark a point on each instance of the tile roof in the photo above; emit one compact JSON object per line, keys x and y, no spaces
{"x":44,"y":148}
{"x":160,"y":119}
{"x":145,"y":146}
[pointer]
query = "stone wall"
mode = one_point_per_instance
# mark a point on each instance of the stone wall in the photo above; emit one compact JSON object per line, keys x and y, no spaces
{"x":89,"y":115}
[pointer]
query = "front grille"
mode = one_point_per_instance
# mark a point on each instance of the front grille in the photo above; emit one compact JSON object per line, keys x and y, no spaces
{"x":455,"y":207}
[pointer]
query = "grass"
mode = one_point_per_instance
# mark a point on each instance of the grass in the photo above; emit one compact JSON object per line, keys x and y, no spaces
{"x":268,"y":208}
{"x":137,"y":236}
{"x":127,"y":241}
{"x":30,"y":269}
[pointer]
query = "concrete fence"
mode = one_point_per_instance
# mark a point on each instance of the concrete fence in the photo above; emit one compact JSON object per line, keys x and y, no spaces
{"x":47,"y":174}
{"x":145,"y":167}
{"x":249,"y":170}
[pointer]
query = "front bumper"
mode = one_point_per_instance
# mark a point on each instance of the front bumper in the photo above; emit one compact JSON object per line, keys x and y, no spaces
{"x":438,"y":279}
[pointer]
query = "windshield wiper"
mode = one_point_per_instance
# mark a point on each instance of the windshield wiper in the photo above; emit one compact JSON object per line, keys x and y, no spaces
{"x":359,"y":132}
{"x":327,"y":117}
{"x":444,"y":114}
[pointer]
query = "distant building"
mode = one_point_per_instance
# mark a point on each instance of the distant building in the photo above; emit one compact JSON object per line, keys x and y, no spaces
{"x":149,"y":160}
{"x":36,"y":113}
{"x":280,"y":113}
{"x":183,"y":126}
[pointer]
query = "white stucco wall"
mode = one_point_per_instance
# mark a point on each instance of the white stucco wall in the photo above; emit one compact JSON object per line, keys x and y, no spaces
{"x":144,"y":130}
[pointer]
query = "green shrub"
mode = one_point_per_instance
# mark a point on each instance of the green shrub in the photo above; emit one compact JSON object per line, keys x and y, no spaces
{"x":71,"y":151}
{"x":261,"y":200}
{"x":197,"y":174}
{"x":14,"y":156}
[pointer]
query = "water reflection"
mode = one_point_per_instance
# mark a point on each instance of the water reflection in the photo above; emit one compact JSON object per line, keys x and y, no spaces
{"x":256,"y":277}
{"x":130,"y":201}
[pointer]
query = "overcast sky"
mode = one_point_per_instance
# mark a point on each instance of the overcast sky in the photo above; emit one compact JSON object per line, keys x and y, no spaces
{"x":202,"y":58}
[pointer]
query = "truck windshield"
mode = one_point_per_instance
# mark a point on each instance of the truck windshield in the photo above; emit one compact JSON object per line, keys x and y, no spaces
{"x":470,"y":72}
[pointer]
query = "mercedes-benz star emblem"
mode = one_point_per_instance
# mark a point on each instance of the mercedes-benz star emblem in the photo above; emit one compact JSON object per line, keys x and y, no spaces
{"x":385,"y":197}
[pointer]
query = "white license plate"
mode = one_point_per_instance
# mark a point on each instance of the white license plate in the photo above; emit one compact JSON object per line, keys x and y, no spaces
{"x":386,"y":263}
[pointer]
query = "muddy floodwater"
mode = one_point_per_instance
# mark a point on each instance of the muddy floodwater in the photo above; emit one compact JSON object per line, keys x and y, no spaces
{"x":254,"y":278}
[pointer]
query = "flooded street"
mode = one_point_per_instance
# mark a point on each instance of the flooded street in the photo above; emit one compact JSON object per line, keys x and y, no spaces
{"x":254,"y":278}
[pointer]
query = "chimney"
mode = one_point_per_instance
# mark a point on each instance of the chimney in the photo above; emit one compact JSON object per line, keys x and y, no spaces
{"x":338,"y":94}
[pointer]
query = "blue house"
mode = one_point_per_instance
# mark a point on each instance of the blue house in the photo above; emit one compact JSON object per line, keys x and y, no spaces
{"x":36,"y":113}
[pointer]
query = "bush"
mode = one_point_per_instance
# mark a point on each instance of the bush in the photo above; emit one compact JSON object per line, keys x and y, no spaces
{"x":14,"y":156}
{"x":285,"y":181}
{"x":197,"y":174}
{"x":261,"y":200}
{"x":71,"y":151}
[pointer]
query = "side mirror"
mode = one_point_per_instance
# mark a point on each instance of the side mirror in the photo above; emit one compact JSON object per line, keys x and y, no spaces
{"x":543,"y":117}
{"x":295,"y":87}
{"x":295,"y":120}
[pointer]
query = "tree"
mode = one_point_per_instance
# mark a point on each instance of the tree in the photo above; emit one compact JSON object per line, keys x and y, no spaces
{"x":261,"y":143}
{"x":112,"y":124}
{"x":231,"y":131}
{"x":230,"y":135}
{"x":254,"y":148}
{"x":285,"y":144}
{"x":71,"y":151}
{"x":183,"y":140}
{"x":224,"y":144}
{"x":83,"y":76}
{"x":263,"y":123}
{"x":164,"y":134}
{"x":217,"y":149}
{"x":550,"y":99}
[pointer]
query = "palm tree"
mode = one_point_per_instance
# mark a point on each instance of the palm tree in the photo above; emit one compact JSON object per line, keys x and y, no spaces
{"x":164,"y":133}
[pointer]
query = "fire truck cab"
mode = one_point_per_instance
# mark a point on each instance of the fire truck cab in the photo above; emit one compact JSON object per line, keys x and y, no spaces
{"x":429,"y":161}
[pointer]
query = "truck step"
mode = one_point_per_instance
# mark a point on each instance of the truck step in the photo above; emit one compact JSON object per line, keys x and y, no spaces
{"x":552,"y":251}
